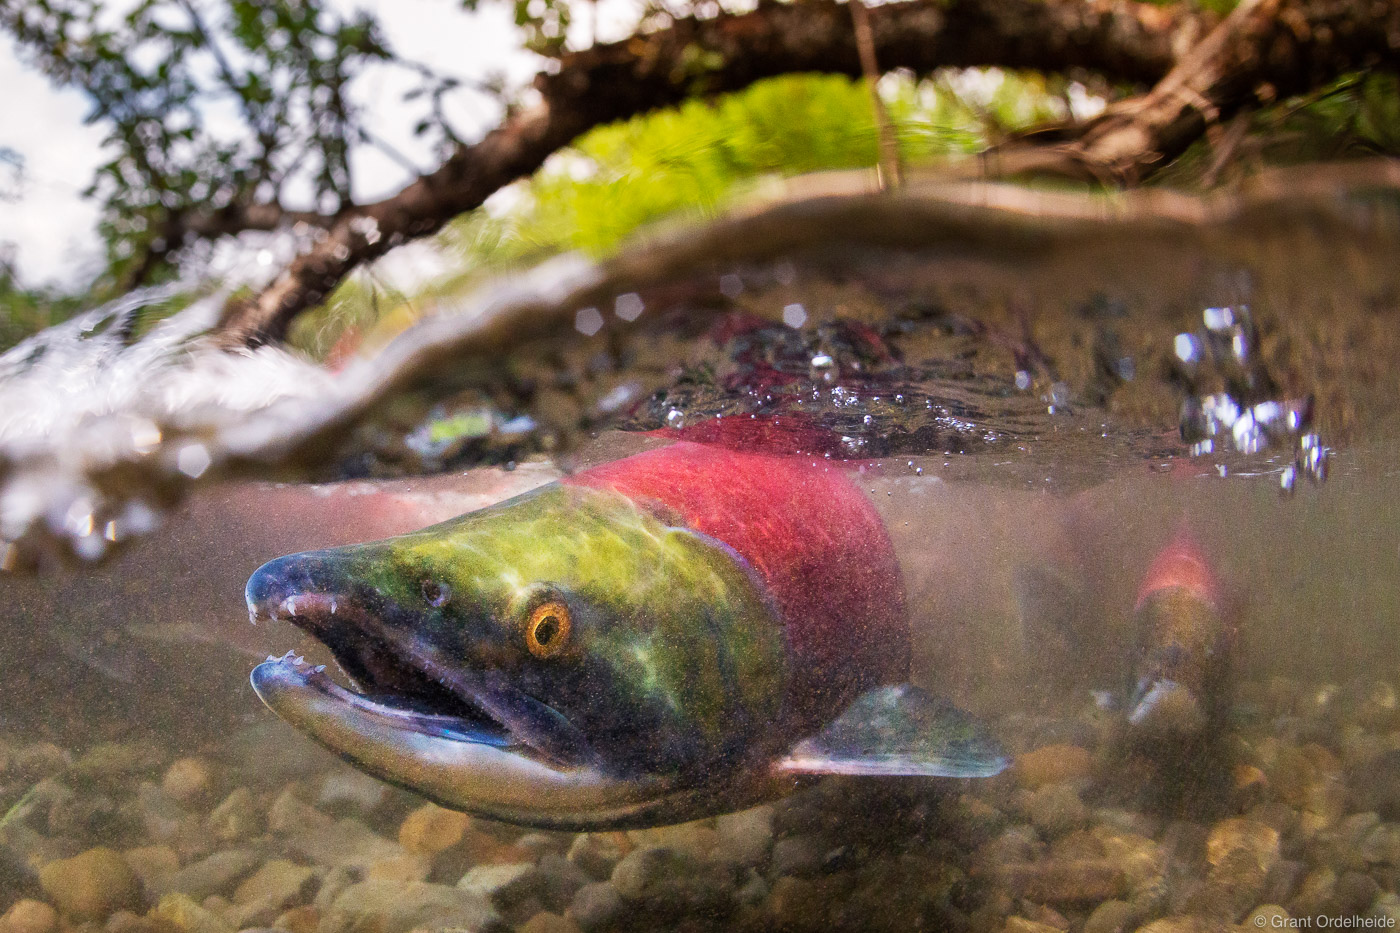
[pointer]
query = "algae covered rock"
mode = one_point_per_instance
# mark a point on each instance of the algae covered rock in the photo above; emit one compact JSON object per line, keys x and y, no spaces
{"x":91,"y":885}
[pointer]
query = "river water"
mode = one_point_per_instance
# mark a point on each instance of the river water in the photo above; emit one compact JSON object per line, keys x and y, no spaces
{"x":1039,"y":392}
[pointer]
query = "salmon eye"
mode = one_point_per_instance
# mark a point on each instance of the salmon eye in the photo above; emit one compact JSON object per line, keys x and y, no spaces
{"x":547,"y":631}
{"x":435,"y":593}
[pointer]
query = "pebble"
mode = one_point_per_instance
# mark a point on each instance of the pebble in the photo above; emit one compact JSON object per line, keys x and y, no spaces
{"x":1023,"y":925}
{"x":91,"y":885}
{"x":431,"y":829}
{"x":40,"y":760}
{"x":1053,"y":764}
{"x":499,"y":884}
{"x":1064,"y":882}
{"x":1055,"y":809}
{"x":596,"y":907}
{"x":394,"y":907}
{"x":216,"y":874}
{"x":1381,"y":846}
{"x":744,"y":838}
{"x":235,"y":818}
{"x":1109,"y":917}
{"x":152,"y":864}
{"x":800,"y":856}
{"x":673,"y":882}
{"x":188,"y":780}
{"x":278,"y":882}
{"x":29,"y":916}
{"x":597,"y":853}
{"x":187,"y":915}
{"x":1227,"y":837}
{"x":546,"y":922}
{"x":346,"y":792}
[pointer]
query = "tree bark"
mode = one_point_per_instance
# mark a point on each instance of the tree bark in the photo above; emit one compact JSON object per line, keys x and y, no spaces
{"x":1264,"y":50}
{"x":1125,"y":40}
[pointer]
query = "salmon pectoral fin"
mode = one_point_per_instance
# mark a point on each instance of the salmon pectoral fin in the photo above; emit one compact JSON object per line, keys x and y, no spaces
{"x":899,"y":730}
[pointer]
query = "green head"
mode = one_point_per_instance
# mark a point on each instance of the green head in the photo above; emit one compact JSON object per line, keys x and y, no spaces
{"x":564,"y":649}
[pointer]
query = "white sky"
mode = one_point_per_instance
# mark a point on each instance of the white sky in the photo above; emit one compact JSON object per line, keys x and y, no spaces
{"x":53,"y":228}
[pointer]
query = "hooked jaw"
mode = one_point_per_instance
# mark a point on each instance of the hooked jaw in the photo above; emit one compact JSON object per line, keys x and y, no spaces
{"x":464,"y":739}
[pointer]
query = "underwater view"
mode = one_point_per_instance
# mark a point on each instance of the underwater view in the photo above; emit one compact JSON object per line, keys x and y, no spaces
{"x":964,"y":559}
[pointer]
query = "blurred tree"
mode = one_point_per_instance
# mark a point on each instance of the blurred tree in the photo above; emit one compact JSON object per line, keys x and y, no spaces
{"x":284,"y":73}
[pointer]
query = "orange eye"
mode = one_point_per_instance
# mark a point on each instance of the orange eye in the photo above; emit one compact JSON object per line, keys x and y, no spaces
{"x":547,"y":631}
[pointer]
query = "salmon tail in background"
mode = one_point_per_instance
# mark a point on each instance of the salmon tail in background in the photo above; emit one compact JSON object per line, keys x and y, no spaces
{"x":1185,"y":636}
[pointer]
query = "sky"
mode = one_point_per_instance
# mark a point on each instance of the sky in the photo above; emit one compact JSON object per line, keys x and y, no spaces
{"x":52,"y":228}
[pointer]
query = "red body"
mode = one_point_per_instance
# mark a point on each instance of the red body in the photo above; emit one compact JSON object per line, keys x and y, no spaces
{"x":1180,"y":564}
{"x":812,"y":538}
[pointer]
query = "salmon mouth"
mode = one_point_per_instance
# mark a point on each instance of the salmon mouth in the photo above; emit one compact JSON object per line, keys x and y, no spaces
{"x":395,"y":673}
{"x":292,"y":674}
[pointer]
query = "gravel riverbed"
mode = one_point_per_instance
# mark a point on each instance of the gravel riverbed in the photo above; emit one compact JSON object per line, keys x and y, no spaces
{"x":1288,"y":818}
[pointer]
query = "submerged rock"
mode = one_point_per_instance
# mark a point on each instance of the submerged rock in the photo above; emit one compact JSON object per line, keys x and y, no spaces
{"x":394,"y":907}
{"x":91,"y":885}
{"x":29,"y":916}
{"x":216,"y":874}
{"x":1053,"y":764}
{"x":431,"y":829}
{"x":279,"y":882}
{"x":673,"y":882}
{"x":188,"y":780}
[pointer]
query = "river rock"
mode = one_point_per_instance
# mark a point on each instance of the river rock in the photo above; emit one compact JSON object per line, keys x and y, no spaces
{"x":744,"y":838}
{"x":502,"y":885}
{"x":278,"y":882}
{"x":181,"y":912}
{"x":160,"y":814}
{"x":1023,"y":925}
{"x":800,"y":856}
{"x":188,"y":780}
{"x":304,"y":919}
{"x":346,"y":792}
{"x":431,"y":829}
{"x":216,"y":874}
{"x":1055,"y":809}
{"x":1064,"y":882}
{"x":596,"y":907}
{"x":1110,"y":917}
{"x":40,"y":760}
{"x":1186,"y":925}
{"x":1053,"y":764}
{"x":1381,"y":846}
{"x":393,"y":907}
{"x":235,"y":818}
{"x":342,"y":842}
{"x":546,"y":922}
{"x":672,"y":882}
{"x":29,"y":916}
{"x":91,"y":885}
{"x":596,"y":853}
{"x":695,"y":838}
{"x":152,"y":864}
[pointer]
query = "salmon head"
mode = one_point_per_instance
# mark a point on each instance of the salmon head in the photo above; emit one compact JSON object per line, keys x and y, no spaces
{"x":564,"y":658}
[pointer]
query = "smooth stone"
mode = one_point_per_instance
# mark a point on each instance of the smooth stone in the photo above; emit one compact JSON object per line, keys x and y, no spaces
{"x":337,"y":880}
{"x":188,"y":780}
{"x":1109,"y":917}
{"x":1058,"y":882}
{"x":1015,"y":844}
{"x":161,"y":815}
{"x":40,"y":760}
{"x":394,"y":907}
{"x":695,"y":838}
{"x":152,"y":864}
{"x":91,"y":885}
{"x":216,"y":874}
{"x":546,"y":922}
{"x":799,"y":856}
{"x":1381,"y":846}
{"x":256,"y":913}
{"x":405,"y":867}
{"x":343,"y":842}
{"x":345,"y":792}
{"x":1022,"y":925}
{"x":744,"y":838}
{"x":1233,"y":887}
{"x":235,"y":818}
{"x":1053,"y":764}
{"x":1139,"y":857}
{"x":289,"y":815}
{"x":596,"y":853}
{"x":1055,"y":809}
{"x":29,"y":916}
{"x":1242,"y":835}
{"x":279,"y":882}
{"x":112,"y":761}
{"x":431,"y":829}
{"x":124,"y":921}
{"x":303,"y":919}
{"x":596,"y":907}
{"x":185,"y":914}
{"x":502,"y":885}
{"x":669,"y":880}
{"x":559,"y":880}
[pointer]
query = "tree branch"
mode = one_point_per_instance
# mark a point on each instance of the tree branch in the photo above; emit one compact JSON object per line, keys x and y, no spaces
{"x":1123,"y":39}
{"x":1263,"y":51}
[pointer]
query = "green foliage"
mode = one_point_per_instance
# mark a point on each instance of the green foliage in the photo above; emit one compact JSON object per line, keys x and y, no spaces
{"x":25,"y":311}
{"x":157,"y":75}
